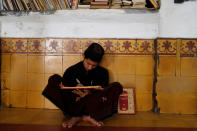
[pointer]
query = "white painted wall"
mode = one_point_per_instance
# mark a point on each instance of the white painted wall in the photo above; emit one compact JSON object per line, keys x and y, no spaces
{"x":172,"y":20}
{"x":178,"y":20}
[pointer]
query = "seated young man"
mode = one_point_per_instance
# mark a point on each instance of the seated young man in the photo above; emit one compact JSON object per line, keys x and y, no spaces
{"x":89,"y":105}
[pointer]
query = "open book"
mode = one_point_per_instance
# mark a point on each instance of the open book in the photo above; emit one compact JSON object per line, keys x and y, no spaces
{"x":81,"y":87}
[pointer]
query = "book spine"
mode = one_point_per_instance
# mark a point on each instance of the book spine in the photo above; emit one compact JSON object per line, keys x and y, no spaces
{"x":64,"y":4}
{"x":36,"y":5}
{"x":67,"y":4}
{"x":15,"y":5}
{"x":31,"y":5}
{"x":25,"y":5}
{"x":46,"y":4}
{"x":51,"y":4}
{"x":21,"y":5}
{"x":154,"y":3}
{"x":39,"y":5}
{"x":43,"y":5}
{"x":59,"y":4}
{"x":55,"y":4}
{"x":7,"y":4}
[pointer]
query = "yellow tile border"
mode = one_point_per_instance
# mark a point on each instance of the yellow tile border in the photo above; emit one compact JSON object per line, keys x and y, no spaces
{"x":36,"y":46}
{"x":14,"y":45}
{"x":112,"y":46}
{"x":188,"y":48}
{"x":167,"y":46}
{"x":57,"y":46}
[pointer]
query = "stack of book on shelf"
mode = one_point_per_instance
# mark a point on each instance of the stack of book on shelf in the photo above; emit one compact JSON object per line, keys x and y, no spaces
{"x":126,"y":3}
{"x":84,"y":4}
{"x":154,"y":3}
{"x":139,"y":3}
{"x":37,"y":5}
{"x":99,"y":4}
{"x":116,"y":4}
{"x":40,"y":5}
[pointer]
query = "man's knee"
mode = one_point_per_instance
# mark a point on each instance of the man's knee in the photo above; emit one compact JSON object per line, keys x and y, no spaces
{"x":116,"y":87}
{"x":55,"y":79}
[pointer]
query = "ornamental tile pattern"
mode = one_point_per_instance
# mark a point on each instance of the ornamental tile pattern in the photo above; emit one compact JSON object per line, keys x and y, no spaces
{"x":126,"y":47}
{"x":167,"y":46}
{"x":54,"y":46}
{"x":145,"y":47}
{"x":72,"y":46}
{"x":109,"y":45}
{"x":189,"y":48}
{"x":5,"y":46}
{"x":86,"y":42}
{"x":14,"y":45}
{"x":36,"y":46}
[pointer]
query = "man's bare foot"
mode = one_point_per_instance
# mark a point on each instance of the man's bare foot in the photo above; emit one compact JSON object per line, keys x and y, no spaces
{"x":92,"y":121}
{"x":70,"y":123}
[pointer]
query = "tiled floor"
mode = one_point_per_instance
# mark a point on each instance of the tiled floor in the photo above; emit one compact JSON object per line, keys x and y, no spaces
{"x":55,"y":118}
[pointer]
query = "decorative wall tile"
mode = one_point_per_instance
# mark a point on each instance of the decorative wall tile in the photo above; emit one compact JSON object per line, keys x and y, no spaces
{"x":54,"y":46}
{"x":5,"y":45}
{"x":126,"y":47}
{"x":166,"y":46}
{"x":145,"y":47}
{"x":19,"y":45}
{"x":109,"y":45}
{"x":72,"y":46}
{"x":36,"y":46}
{"x":14,"y":45}
{"x":86,"y":42}
{"x":189,"y":48}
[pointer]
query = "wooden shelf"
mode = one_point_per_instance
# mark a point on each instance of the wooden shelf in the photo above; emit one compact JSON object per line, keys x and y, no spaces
{"x":44,"y":7}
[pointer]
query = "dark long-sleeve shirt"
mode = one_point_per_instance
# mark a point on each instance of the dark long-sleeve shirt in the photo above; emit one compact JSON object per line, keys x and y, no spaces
{"x":77,"y":73}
